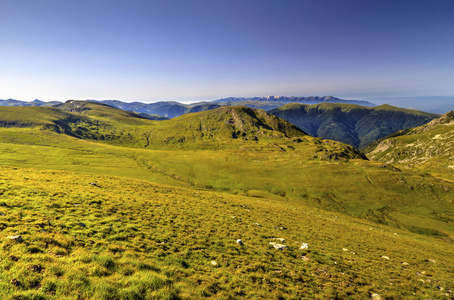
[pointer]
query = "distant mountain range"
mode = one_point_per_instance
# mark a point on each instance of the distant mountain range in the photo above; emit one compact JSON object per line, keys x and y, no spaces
{"x":36,"y":102}
{"x":172,"y":109}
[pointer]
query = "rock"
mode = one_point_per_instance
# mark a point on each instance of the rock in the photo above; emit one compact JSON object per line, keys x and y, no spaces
{"x":214,"y":263}
{"x":278,"y":246}
{"x":404,"y":264}
{"x":432,"y":260}
{"x":240,"y":242}
{"x":16,"y":238}
{"x":375,"y":296}
{"x":305,"y":258}
{"x":2,"y":214}
{"x":304,"y":246}
{"x":385,"y":257}
{"x":257,"y":224}
{"x":344,"y":249}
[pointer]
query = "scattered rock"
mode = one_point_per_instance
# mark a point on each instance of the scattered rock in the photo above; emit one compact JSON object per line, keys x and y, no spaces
{"x":16,"y":238}
{"x":375,"y":296}
{"x":432,"y":260}
{"x":82,"y":225}
{"x":214,"y":263}
{"x":405,"y":264}
{"x":441,"y":288}
{"x":278,"y":246}
{"x":385,"y":257}
{"x":240,"y":242}
{"x":257,"y":224}
{"x":304,"y":246}
{"x":344,"y":249}
{"x":305,"y":258}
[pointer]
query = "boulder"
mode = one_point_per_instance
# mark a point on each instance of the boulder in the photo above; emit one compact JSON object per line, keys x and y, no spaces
{"x":278,"y":246}
{"x":16,"y":238}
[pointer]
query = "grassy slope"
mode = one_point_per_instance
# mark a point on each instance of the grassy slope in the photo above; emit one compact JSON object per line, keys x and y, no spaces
{"x":244,"y":155}
{"x":352,"y":124}
{"x":93,"y":236}
{"x":289,"y":178}
{"x":428,"y":148}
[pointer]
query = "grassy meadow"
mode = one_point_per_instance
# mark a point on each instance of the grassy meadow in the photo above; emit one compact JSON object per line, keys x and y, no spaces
{"x":101,"y":237}
{"x":113,"y":206}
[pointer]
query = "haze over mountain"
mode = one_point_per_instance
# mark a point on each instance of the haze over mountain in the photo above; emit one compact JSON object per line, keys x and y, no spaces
{"x":433,"y":104}
{"x":352,"y":124}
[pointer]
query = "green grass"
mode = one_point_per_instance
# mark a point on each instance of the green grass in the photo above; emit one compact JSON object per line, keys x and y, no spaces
{"x":149,"y":241}
{"x":131,"y":218}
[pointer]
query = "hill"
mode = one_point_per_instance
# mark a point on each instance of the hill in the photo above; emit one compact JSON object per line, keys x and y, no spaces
{"x":224,"y":127}
{"x":429,"y":148}
{"x":352,"y":124}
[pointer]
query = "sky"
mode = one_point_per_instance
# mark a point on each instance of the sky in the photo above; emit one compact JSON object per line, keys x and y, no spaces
{"x":209,"y":49}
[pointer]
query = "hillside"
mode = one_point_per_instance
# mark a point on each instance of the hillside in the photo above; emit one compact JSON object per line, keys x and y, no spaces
{"x":85,"y":236}
{"x":429,"y":148}
{"x":352,"y":124}
{"x":119,"y":206}
{"x":224,"y":127}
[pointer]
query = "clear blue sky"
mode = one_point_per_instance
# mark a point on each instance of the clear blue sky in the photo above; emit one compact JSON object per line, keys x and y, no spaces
{"x":207,"y":49}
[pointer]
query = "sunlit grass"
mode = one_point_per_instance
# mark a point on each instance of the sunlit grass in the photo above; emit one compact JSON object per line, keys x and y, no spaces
{"x":143,"y":240}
